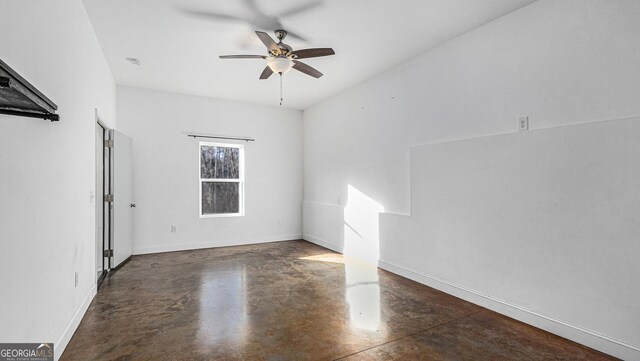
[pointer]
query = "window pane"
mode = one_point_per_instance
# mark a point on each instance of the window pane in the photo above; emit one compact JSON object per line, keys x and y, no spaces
{"x":219,"y":162}
{"x":220,"y":198}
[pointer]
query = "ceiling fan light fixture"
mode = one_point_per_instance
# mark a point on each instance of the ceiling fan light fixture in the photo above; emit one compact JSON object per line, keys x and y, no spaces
{"x":280,"y":64}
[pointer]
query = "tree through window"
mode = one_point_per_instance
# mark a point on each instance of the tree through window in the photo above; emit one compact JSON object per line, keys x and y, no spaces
{"x":221,"y":179}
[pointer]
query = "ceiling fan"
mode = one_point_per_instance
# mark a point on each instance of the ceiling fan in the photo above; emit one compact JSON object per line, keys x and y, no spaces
{"x":281,"y":57}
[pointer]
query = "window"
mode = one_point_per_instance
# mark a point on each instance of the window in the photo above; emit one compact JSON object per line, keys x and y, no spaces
{"x":221,"y":180}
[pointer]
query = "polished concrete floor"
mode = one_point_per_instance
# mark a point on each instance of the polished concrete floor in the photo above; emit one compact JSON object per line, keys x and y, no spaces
{"x":292,"y":301}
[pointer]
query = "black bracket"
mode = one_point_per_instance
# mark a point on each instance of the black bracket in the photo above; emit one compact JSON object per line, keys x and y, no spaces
{"x":49,"y":116}
{"x":19,"y":97}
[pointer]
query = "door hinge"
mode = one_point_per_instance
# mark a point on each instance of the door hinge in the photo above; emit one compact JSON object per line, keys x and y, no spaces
{"x":108,"y":143}
{"x":108,"y":198}
{"x":107,"y":253}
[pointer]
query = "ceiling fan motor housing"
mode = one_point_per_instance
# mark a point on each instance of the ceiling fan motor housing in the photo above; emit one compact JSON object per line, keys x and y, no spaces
{"x":285,"y":49}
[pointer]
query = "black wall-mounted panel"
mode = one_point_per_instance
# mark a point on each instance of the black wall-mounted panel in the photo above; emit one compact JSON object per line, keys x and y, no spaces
{"x":19,"y":97}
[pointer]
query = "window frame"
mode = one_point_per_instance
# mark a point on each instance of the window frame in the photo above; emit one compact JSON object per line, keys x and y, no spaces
{"x":240,"y":180}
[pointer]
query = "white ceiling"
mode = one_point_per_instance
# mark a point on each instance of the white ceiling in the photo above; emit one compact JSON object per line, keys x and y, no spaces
{"x":179,"y":52}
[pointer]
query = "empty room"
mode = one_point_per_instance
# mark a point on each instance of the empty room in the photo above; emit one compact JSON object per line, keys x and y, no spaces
{"x":319,"y":180}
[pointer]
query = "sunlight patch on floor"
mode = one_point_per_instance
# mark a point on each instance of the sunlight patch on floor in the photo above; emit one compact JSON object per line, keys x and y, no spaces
{"x":362,"y":251}
{"x":326,"y":257}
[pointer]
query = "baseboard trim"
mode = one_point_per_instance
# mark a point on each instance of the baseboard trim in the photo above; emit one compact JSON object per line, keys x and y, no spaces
{"x":63,"y":340}
{"x":574,"y":333}
{"x":121,"y":264}
{"x":202,"y":245}
{"x":577,"y":334}
{"x":322,"y":243}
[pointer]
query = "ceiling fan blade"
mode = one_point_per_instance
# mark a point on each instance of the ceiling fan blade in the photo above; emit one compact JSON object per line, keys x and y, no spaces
{"x":302,"y":67}
{"x":251,"y":4}
{"x":242,"y":57}
{"x":268,"y":41}
{"x":301,"y":8}
{"x":266,"y":73}
{"x":313,"y":53}
{"x":213,"y":16}
{"x":294,"y":35}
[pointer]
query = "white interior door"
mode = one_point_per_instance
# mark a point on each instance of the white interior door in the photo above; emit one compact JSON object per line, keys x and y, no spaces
{"x":122,"y":198}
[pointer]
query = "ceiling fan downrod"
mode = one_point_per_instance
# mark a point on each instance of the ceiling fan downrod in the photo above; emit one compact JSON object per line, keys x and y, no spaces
{"x":281,"y":34}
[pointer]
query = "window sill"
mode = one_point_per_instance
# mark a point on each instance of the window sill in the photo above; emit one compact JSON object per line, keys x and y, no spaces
{"x":222,"y":215}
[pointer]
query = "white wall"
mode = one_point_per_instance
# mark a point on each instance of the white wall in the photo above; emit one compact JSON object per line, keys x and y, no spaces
{"x":166,"y":166}
{"x":47,"y":171}
{"x":558,"y":62}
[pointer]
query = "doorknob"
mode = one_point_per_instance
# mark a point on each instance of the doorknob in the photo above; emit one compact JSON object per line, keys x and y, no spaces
{"x":133,"y":205}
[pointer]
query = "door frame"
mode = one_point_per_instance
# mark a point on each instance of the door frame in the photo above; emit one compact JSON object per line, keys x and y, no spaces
{"x":107,"y":207}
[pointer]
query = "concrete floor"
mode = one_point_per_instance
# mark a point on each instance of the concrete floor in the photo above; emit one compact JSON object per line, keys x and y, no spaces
{"x":292,"y":301}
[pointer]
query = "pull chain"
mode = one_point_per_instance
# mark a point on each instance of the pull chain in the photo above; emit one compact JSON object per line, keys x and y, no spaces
{"x":280,"y":88}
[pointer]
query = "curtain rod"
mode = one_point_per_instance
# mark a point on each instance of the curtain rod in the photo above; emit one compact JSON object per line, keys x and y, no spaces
{"x":194,"y":136}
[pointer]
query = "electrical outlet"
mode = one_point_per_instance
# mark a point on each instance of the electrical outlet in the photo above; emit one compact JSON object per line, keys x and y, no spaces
{"x":174,"y":229}
{"x":76,"y":279}
{"x":523,"y":123}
